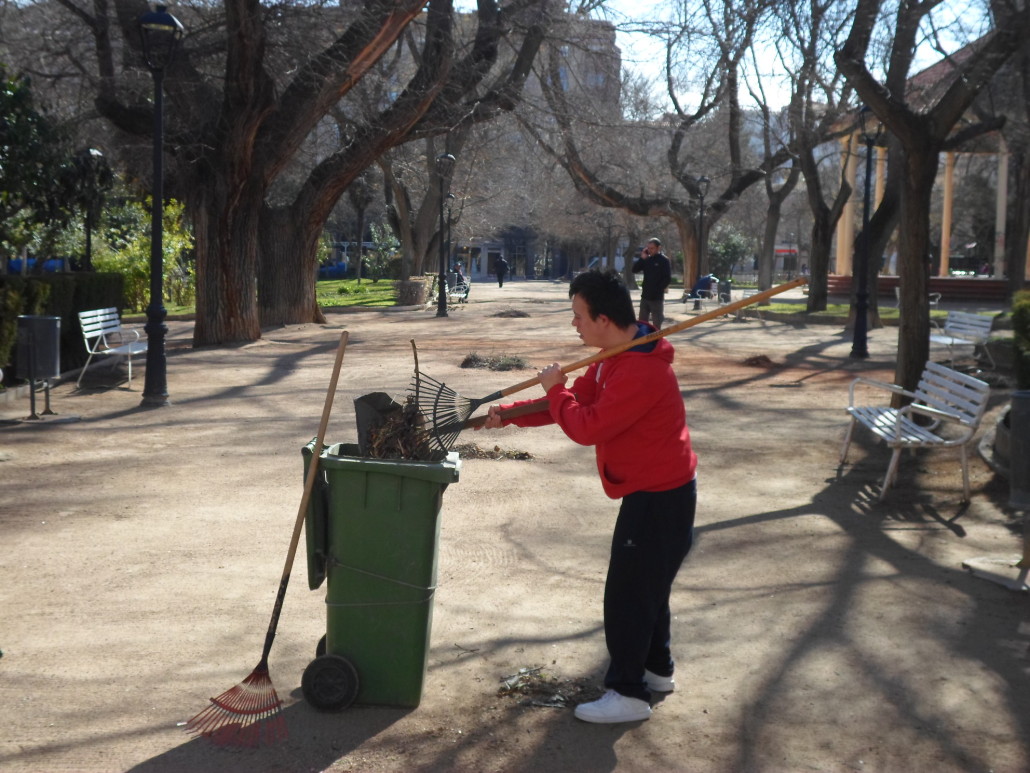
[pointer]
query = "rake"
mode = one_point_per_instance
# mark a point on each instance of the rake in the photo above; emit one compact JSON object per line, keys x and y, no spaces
{"x":250,"y":714}
{"x":447,"y":412}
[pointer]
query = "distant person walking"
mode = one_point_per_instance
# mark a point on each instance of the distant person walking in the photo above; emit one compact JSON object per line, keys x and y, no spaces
{"x":501,"y":267}
{"x":657,"y":271}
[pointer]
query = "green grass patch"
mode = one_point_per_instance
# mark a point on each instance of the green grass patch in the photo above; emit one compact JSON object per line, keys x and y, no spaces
{"x":839,"y":310}
{"x":347,"y":292}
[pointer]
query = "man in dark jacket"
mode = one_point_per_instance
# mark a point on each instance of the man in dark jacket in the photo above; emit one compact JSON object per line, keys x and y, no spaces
{"x":657,"y":272}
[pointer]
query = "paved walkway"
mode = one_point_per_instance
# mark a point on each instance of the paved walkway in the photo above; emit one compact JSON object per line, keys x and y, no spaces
{"x":816,"y":629}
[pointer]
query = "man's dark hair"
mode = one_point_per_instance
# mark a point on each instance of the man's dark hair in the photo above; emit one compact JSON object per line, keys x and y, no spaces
{"x":655,"y":241}
{"x":605,"y":293}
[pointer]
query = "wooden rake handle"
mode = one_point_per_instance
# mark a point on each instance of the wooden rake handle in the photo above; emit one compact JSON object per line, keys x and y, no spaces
{"x":309,"y":487}
{"x":605,"y":354}
{"x":510,"y":413}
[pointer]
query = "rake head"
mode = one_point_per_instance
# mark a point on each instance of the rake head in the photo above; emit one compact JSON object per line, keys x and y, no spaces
{"x":444,"y":410}
{"x":249,"y":714}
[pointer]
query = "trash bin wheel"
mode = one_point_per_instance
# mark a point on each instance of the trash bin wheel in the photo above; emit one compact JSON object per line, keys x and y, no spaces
{"x":320,"y":648}
{"x":330,"y":683}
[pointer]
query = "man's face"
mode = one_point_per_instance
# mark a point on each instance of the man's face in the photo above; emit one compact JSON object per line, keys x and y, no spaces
{"x":589,"y":329}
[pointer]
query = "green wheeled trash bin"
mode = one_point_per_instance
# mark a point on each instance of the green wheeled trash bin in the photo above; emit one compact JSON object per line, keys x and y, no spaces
{"x":371,"y":530}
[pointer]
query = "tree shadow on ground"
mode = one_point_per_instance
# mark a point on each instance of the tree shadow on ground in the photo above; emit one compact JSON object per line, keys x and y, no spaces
{"x":993,"y":634}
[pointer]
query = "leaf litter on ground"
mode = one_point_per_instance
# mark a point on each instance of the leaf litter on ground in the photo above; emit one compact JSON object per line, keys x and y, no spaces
{"x":536,"y":687}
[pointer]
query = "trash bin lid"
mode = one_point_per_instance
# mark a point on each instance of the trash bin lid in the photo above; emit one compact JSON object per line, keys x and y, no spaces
{"x":346,"y":456}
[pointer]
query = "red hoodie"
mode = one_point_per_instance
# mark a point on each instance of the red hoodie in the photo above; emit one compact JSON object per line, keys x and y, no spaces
{"x":630,"y":408}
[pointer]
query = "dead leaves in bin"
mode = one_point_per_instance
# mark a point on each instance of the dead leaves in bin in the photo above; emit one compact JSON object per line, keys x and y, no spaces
{"x":400,"y":434}
{"x":536,"y":687}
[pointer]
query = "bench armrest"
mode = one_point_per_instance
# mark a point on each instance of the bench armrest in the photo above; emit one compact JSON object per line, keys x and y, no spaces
{"x":123,"y":336}
{"x":934,"y":413}
{"x":874,"y":383}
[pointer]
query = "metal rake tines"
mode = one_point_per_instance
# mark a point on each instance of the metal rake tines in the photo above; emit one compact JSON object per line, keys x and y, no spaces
{"x":445,"y":410}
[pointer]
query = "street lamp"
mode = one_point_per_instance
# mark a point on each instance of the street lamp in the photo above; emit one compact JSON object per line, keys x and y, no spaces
{"x":160,"y":33}
{"x":444,"y":168}
{"x":702,"y":190}
{"x":859,"y":345}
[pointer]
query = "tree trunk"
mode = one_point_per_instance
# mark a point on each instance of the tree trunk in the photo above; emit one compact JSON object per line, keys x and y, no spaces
{"x":686,"y":229}
{"x":824,"y":221}
{"x":287,"y":271}
{"x":823,"y":226}
{"x":767,"y":256}
{"x":913,"y":262}
{"x":226,"y":236}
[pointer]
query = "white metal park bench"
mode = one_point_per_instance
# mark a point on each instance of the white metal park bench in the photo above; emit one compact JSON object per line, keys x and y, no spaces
{"x":753,"y":310}
{"x":950,"y":405}
{"x":458,"y":288}
{"x":964,"y":329}
{"x":104,"y":335}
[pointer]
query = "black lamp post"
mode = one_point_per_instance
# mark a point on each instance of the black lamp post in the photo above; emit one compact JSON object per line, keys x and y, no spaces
{"x":160,"y":33}
{"x":702,"y":190}
{"x":444,"y":168}
{"x":860,"y":342}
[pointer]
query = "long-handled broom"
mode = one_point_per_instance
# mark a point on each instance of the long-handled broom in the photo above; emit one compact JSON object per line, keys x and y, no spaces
{"x":250,"y":714}
{"x":447,"y":412}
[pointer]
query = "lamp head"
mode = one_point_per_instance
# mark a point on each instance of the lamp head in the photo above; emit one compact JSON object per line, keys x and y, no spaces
{"x":702,"y":185}
{"x":869,"y":125}
{"x":445,"y":165}
{"x":160,"y":33}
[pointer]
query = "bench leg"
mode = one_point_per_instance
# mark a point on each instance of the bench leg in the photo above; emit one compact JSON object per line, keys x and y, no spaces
{"x":987,"y":354}
{"x":892,"y":472}
{"x":847,"y":441}
{"x":82,"y":372}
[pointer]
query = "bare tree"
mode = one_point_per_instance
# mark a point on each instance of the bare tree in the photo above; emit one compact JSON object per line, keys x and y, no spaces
{"x":922,"y":125}
{"x":807,"y":32}
{"x":244,"y":95}
{"x":651,"y":169}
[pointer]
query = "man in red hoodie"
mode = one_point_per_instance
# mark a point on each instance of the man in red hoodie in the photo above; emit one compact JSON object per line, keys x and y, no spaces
{"x":630,"y":409}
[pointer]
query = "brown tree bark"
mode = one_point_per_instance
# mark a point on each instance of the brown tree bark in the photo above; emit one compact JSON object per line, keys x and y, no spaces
{"x":232,"y":135}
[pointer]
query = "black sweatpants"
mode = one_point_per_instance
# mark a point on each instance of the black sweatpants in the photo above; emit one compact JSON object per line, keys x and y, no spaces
{"x":653,"y":535}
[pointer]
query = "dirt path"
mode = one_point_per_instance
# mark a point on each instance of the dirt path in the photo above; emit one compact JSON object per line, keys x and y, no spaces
{"x":815,"y":629}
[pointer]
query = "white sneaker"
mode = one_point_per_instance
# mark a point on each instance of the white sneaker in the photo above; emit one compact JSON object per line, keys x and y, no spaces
{"x":613,"y":707}
{"x":657,"y":683}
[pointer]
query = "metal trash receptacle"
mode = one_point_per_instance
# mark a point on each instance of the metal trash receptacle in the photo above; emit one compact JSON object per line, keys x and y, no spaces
{"x":38,"y":348}
{"x":725,"y":290}
{"x":371,"y":530}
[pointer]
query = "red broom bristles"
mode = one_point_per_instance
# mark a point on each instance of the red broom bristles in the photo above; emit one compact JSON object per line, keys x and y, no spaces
{"x":249,"y":714}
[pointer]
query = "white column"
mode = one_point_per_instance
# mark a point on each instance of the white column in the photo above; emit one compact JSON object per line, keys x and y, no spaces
{"x":846,"y":224}
{"x":1000,"y":210}
{"x":949,"y":193}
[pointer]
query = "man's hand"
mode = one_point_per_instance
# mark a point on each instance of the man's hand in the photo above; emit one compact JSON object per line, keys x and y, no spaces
{"x":493,"y":419}
{"x":551,"y":376}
